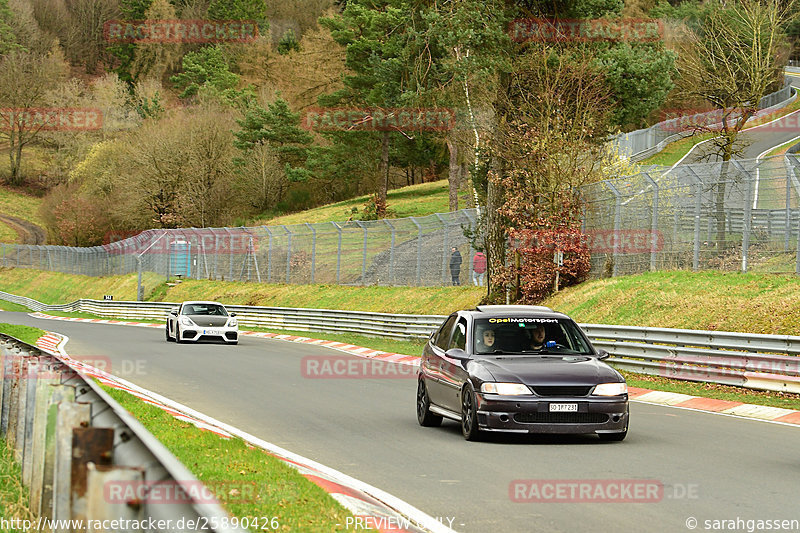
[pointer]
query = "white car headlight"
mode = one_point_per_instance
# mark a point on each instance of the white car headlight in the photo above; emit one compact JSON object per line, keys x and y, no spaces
{"x":232,"y":322}
{"x":186,"y":321}
{"x":610,"y":389}
{"x":505,"y":389}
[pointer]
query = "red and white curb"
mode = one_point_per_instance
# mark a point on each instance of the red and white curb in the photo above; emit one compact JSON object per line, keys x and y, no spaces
{"x":671,"y":399}
{"x":724,"y":407}
{"x":375,"y":508}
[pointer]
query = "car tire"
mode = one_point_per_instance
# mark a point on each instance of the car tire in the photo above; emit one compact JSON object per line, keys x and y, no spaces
{"x":424,"y":415}
{"x":469,"y":414}
{"x":169,"y":339}
{"x":613,"y":437}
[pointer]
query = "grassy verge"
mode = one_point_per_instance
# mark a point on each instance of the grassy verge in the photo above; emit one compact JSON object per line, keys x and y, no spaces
{"x":709,"y":300}
{"x":13,"y":497}
{"x":412,"y":201}
{"x":57,"y":288}
{"x":24,"y":333}
{"x":266,"y":486}
{"x":8,"y":306}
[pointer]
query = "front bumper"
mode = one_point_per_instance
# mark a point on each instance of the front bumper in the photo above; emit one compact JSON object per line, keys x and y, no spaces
{"x":531,"y":414}
{"x":195,"y":333}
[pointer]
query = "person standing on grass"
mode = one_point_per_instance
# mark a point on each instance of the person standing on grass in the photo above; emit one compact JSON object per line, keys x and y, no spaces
{"x":478,"y":269}
{"x":455,"y":265}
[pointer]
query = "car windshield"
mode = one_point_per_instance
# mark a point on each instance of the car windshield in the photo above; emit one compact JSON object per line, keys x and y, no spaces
{"x":528,"y":335}
{"x":205,"y":309}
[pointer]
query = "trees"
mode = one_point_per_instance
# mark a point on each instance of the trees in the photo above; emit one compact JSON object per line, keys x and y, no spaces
{"x":729,"y":61}
{"x":25,"y":79}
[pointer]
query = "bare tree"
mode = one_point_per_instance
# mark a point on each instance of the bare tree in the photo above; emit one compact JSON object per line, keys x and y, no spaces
{"x":730,"y":61}
{"x":25,"y":79}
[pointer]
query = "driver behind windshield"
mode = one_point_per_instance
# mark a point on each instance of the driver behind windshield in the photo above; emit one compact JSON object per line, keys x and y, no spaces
{"x":537,"y":338}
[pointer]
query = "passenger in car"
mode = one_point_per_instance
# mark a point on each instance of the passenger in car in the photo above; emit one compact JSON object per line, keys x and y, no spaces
{"x":486,"y":342}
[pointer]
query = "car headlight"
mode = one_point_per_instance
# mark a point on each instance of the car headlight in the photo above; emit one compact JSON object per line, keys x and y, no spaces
{"x":232,"y":322}
{"x":505,"y":389}
{"x":610,"y":389}
{"x":186,"y":321}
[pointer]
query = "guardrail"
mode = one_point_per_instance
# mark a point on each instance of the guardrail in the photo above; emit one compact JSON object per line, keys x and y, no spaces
{"x":74,"y":442}
{"x":757,"y":361}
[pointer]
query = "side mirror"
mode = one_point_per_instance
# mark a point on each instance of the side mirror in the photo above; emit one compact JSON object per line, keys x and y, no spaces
{"x":456,"y":353}
{"x":232,"y":314}
{"x":174,"y":311}
{"x":602,"y":354}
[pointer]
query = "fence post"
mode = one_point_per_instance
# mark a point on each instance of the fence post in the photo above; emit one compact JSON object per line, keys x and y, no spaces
{"x":364,"y":254}
{"x":748,"y":214}
{"x":338,"y":253}
{"x":269,"y":253}
{"x":313,"y":249}
{"x":698,"y":206}
{"x":419,"y":250}
{"x":288,"y":251}
{"x":391,"y":251}
{"x":653,"y":221}
{"x":617,"y":225}
{"x":445,"y":255}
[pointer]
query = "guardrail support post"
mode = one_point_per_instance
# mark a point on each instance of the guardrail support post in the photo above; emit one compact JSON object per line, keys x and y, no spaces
{"x":45,"y":388}
{"x":89,"y":445}
{"x":70,"y":415}
{"x":61,"y":394}
{"x":97,"y":506}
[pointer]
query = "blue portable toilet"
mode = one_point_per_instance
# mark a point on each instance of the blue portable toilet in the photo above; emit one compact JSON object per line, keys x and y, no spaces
{"x":180,"y":259}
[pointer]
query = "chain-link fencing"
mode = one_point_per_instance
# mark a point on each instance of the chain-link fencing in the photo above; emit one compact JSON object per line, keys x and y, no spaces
{"x":741,"y":215}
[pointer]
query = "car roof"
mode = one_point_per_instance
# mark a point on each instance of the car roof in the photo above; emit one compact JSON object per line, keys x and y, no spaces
{"x":489,"y":311}
{"x":202,"y":302}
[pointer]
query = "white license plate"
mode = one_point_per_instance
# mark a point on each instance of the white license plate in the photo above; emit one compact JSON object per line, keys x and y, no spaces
{"x":212,"y":332}
{"x":561,"y":407}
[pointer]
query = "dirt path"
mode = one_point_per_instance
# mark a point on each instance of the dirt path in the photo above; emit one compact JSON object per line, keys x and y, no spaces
{"x":29,"y":233}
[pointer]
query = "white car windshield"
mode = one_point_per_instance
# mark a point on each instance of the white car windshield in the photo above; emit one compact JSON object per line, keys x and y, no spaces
{"x":204,"y":309}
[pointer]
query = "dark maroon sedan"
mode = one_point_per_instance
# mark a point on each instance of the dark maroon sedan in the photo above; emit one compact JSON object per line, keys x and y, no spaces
{"x":519,"y":369}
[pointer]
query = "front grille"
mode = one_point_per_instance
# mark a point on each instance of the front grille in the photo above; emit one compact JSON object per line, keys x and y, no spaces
{"x":561,"y":418}
{"x":562,"y":390}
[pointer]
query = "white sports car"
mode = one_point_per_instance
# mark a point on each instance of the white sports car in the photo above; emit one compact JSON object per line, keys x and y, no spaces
{"x":193,"y":321}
